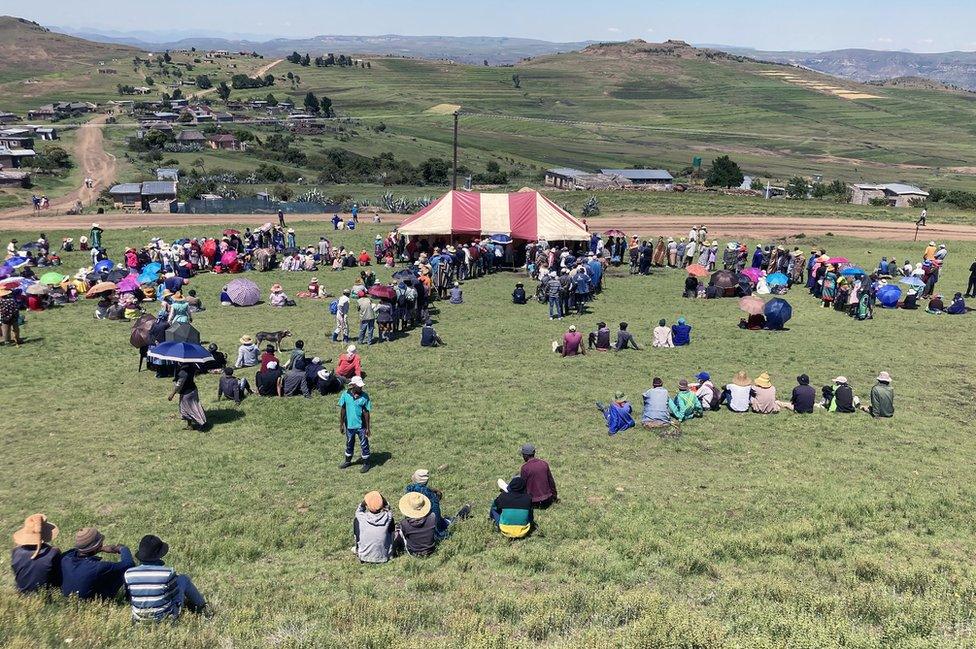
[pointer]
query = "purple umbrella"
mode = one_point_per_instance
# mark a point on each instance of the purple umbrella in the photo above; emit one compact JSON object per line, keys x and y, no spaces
{"x":129,"y":283}
{"x":751,"y":273}
{"x":243,"y":292}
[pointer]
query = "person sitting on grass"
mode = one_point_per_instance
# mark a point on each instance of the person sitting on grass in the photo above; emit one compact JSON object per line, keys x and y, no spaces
{"x":538,"y":478}
{"x":417,"y":532}
{"x":428,"y":335}
{"x":882,"y":398}
{"x":684,"y":405}
{"x":156,"y":592}
{"x":625,"y":339}
{"x":421,"y":478}
{"x":296,"y":361}
{"x":662,"y":335}
{"x":230,"y":387}
{"x":35,"y":562}
{"x":803,"y":397}
{"x":84,"y":574}
{"x":268,"y":356}
{"x":958,"y":305}
{"x":518,"y":295}
{"x":656,"y":413}
{"x":763,"y":398}
{"x":681,"y":333}
{"x":707,"y":393}
{"x":617,"y":413}
{"x":373,"y":529}
{"x":599,"y":339}
{"x":457,"y":297}
{"x":268,"y":381}
{"x":936,"y":305}
{"x":754,"y":322}
{"x":840,"y":397}
{"x":349,"y":365}
{"x":294,"y":383}
{"x":247,"y":353}
{"x":572,"y":344}
{"x":512,"y":509}
{"x":738,"y":393}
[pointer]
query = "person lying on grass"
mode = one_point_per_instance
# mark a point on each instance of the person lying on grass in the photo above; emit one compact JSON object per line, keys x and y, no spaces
{"x":617,"y":413}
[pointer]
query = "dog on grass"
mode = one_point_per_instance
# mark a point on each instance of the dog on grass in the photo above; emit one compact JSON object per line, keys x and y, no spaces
{"x":272,"y":337}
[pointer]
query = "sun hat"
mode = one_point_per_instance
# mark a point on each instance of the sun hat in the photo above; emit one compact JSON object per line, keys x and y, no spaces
{"x":762,"y":381}
{"x":351,"y":349}
{"x":151,"y":548}
{"x":4,"y":292}
{"x":373,"y":501}
{"x":840,"y":379}
{"x":572,"y":327}
{"x":88,"y":540}
{"x":884,"y":377}
{"x":272,"y":365}
{"x":517,"y":485}
{"x":421,"y":476}
{"x":502,"y":485}
{"x":36,"y":530}
{"x":275,"y":287}
{"x":703,"y":376}
{"x":619,"y":396}
{"x":246,"y":340}
{"x":683,"y":384}
{"x":357,"y":381}
{"x":414,"y":505}
{"x":741,"y":378}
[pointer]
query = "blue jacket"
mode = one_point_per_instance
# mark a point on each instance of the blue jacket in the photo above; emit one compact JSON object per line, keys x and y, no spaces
{"x":618,"y":417}
{"x":89,"y":577}
{"x":40,"y":572}
{"x":681,"y":334}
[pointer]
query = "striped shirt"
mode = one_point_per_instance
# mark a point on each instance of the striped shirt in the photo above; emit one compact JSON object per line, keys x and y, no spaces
{"x":152,"y":593}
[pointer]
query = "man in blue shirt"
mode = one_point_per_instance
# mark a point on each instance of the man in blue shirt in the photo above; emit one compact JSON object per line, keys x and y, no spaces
{"x":86,"y":575}
{"x":656,"y":413}
{"x":354,"y":415}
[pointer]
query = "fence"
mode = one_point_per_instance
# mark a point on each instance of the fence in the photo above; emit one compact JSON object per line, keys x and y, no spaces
{"x":256,"y":206}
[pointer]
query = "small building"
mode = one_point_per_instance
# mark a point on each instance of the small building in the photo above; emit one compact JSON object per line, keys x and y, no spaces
{"x":42,"y":112}
{"x":658,"y":177}
{"x":894,"y":194}
{"x":127,"y":195}
{"x":223,"y":117}
{"x":15,"y":158}
{"x":46,"y":133}
{"x":166,"y":173}
{"x":14,"y":179}
{"x":16,"y":141}
{"x":107,"y":71}
{"x":8,"y":118}
{"x":165,"y":116}
{"x":563,"y":177}
{"x":190,"y":136}
{"x":225,"y":142}
{"x":152,"y":195}
{"x":199,"y":114}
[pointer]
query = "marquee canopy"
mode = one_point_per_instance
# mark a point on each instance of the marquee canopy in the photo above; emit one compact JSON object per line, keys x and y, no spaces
{"x":525,"y":215}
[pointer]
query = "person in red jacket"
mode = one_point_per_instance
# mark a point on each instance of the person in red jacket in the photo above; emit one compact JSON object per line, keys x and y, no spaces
{"x":538,"y":478}
{"x":349,"y":365}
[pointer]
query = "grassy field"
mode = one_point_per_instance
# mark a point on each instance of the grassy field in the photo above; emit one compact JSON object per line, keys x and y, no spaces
{"x":748,"y":531}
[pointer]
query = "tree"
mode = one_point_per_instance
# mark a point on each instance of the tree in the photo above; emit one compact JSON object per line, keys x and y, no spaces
{"x":177,"y":94}
{"x":199,"y":162}
{"x":272,"y":100}
{"x":185,"y":117}
{"x":312,"y":104}
{"x":150,"y":81}
{"x":368,"y":66}
{"x":295,"y":58}
{"x":325,"y":104}
{"x":486,"y":63}
{"x":434,"y":171}
{"x":223,"y":91}
{"x":797,"y":188}
{"x":269,"y":79}
{"x":52,"y":159}
{"x":204,"y":82}
{"x":724,"y":173}
{"x":166,"y":57}
{"x":516,"y":81}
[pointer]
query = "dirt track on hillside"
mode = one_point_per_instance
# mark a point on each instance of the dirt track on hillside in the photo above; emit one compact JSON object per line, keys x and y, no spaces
{"x":745,"y":226}
{"x":89,"y":154}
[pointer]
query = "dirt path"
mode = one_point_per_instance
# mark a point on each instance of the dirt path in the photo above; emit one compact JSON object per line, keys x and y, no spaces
{"x":90,"y":156}
{"x":260,"y":72}
{"x":747,"y":226}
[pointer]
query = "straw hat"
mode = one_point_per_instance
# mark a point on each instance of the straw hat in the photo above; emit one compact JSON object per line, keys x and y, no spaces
{"x":275,"y":287}
{"x":741,"y":378}
{"x":884,"y":377}
{"x":36,"y":530}
{"x":762,"y":381}
{"x":840,"y":380}
{"x":374,"y":501}
{"x":414,"y":505}
{"x":246,"y":340}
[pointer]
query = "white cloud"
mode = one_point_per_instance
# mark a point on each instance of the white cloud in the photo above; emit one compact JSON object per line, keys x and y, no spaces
{"x":613,"y":29}
{"x":884,"y":40}
{"x":650,"y":30}
{"x":926,"y":41}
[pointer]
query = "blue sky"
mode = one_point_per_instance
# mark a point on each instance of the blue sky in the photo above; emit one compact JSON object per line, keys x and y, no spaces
{"x":935,"y":25}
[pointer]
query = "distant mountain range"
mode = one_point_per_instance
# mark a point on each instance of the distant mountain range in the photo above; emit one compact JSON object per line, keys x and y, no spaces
{"x":951,"y":68}
{"x":464,"y":49}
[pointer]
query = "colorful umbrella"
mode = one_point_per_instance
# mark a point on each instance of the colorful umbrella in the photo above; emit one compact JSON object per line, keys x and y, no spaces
{"x":101,"y":287}
{"x":406,"y":273}
{"x":6,"y":271}
{"x":697,"y":270}
{"x":889,"y":295}
{"x":615,"y":233}
{"x":853,"y":271}
{"x":129,"y":283}
{"x":147,"y":278}
{"x":912,"y":281}
{"x":723,"y":279}
{"x":16,"y":262}
{"x":229,"y":232}
{"x":31,"y":245}
{"x":751,"y":304}
{"x":501,"y":239}
{"x":180,"y":352}
{"x":38,"y":289}
{"x":53,"y":278}
{"x":243,"y":292}
{"x":228,"y":257}
{"x":154,"y":267}
{"x":752,"y":273}
{"x":777,"y":311}
{"x":382,"y":292}
{"x":140,"y":330}
{"x":838,"y":260}
{"x":777,"y":279}
{"x":15,"y":283}
{"x":104,"y":266}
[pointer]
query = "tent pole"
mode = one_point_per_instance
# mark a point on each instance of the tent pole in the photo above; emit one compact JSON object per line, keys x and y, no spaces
{"x":454,"y":173}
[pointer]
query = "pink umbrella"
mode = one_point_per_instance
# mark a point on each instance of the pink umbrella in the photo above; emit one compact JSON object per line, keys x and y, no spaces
{"x":228,"y":257}
{"x":752,"y":273}
{"x":838,"y":260}
{"x":129,"y":283}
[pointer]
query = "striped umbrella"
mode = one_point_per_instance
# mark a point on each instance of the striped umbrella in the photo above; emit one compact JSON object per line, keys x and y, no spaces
{"x":243,"y":292}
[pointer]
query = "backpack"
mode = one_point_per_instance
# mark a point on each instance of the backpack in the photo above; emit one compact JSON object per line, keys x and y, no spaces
{"x":334,"y":307}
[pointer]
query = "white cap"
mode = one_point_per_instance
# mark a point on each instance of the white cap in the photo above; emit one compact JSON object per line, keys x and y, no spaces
{"x":351,"y":349}
{"x":357,"y":381}
{"x":272,"y":365}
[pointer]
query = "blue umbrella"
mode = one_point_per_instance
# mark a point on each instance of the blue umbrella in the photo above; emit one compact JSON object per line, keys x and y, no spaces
{"x":154,"y":267}
{"x":180,"y":352}
{"x":777,"y":311}
{"x":888,"y":296}
{"x":502,"y":239}
{"x":16,"y":262}
{"x":104,"y":265}
{"x":406,"y":273}
{"x":147,"y":278}
{"x":777,"y":279}
{"x":853,"y":271}
{"x":912,"y":281}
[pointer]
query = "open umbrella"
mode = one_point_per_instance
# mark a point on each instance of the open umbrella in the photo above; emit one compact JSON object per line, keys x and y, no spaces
{"x":889,"y":295}
{"x":615,"y":233}
{"x":838,"y":260}
{"x":147,"y":278}
{"x":101,"y":287}
{"x":243,"y":292}
{"x":723,"y":279}
{"x":230,"y":232}
{"x":16,"y":262}
{"x":501,"y":239}
{"x":228,"y":257}
{"x":777,"y":311}
{"x":180,"y":352}
{"x":853,"y":271}
{"x":382,"y":292}
{"x":697,"y":270}
{"x":751,"y":304}
{"x":15,"y":283}
{"x":183,"y":333}
{"x":116,"y":275}
{"x":52,"y":278}
{"x":38,"y":289}
{"x":912,"y":281}
{"x":406,"y":273}
{"x":140,"y":330}
{"x":31,"y":245}
{"x":104,"y":266}
{"x":153,"y":267}
{"x":5,"y":271}
{"x":777,"y":279}
{"x":752,"y":273}
{"x":129,"y":283}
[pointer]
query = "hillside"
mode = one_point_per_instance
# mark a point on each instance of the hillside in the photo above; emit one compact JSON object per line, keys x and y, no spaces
{"x":26,"y":48}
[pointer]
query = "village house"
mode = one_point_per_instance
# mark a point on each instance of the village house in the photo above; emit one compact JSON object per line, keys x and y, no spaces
{"x":199,"y":114}
{"x":15,"y":179}
{"x":15,"y":158}
{"x":167,"y":173}
{"x":152,"y":195}
{"x":894,"y":194}
{"x":563,"y":177}
{"x":46,"y":133}
{"x":165,"y":116}
{"x":225,"y":142}
{"x":61,"y":109}
{"x":659,"y":178}
{"x":16,"y":141}
{"x":190,"y":136}
{"x":8,"y":118}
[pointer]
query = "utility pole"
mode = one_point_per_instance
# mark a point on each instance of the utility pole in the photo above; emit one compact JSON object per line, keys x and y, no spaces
{"x":457,"y":113}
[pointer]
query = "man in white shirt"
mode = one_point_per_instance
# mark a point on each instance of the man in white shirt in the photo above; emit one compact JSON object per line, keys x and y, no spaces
{"x":342,"y":317}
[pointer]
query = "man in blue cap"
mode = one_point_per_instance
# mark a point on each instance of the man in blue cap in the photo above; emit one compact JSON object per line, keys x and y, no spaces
{"x":706,"y":393}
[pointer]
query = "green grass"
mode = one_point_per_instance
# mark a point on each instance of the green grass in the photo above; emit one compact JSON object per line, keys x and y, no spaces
{"x":748,"y":531}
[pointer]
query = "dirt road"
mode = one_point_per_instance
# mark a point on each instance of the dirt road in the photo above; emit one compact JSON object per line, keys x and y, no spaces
{"x":260,"y":72}
{"x":90,"y":156}
{"x":746,"y":226}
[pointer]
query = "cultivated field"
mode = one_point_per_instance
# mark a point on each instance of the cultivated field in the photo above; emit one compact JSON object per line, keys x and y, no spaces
{"x":749,"y":531}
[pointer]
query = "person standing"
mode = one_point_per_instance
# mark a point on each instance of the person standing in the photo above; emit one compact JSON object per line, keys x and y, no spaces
{"x":367,"y":319}
{"x":342,"y":317}
{"x":190,"y":409}
{"x":971,"y":287}
{"x":281,"y":219}
{"x":355,"y":409}
{"x":9,"y":318}
{"x":95,"y":236}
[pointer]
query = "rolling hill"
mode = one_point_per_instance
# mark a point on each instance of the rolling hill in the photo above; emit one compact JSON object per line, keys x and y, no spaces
{"x":27,"y":49}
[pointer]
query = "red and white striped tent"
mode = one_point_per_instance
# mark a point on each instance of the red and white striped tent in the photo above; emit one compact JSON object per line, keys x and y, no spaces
{"x":525,"y":215}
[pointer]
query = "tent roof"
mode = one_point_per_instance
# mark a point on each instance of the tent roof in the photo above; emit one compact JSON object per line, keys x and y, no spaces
{"x":525,"y":215}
